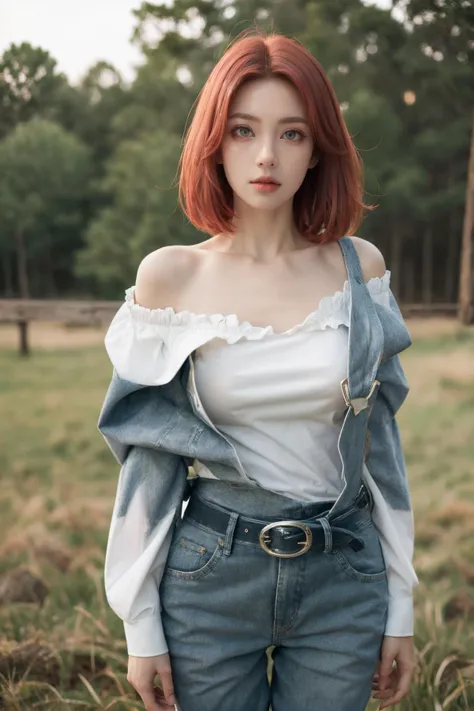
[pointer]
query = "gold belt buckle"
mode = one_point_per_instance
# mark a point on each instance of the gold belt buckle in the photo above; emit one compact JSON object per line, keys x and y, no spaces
{"x":264,"y":538}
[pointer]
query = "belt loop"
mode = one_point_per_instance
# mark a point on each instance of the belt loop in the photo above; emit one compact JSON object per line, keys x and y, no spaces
{"x":327,"y":534}
{"x":229,"y":534}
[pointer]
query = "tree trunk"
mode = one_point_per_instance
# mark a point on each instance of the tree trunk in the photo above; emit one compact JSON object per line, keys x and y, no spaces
{"x":52,"y":288}
{"x":22,"y":265}
{"x":7,"y":275}
{"x":427,"y":266}
{"x":410,"y":281}
{"x":451,"y":260}
{"x":23,"y":287}
{"x":396,"y":263}
{"x":465,"y":312}
{"x":451,"y":257}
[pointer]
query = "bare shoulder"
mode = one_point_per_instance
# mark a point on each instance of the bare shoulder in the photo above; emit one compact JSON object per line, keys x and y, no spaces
{"x":371,"y":258}
{"x":163,"y":274}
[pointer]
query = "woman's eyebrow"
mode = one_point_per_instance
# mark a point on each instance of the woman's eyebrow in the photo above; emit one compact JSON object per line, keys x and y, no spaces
{"x":287,"y":119}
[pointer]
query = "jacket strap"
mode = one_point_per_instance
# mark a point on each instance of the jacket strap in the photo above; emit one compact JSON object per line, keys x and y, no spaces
{"x":366,"y":337}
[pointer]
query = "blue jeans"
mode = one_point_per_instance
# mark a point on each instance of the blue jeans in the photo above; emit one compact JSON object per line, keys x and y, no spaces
{"x":225,"y":601}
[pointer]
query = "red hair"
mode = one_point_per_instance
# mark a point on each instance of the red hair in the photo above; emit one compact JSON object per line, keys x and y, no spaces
{"x":328,"y":204}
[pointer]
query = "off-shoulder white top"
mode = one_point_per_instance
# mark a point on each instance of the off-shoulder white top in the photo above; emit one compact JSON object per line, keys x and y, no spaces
{"x":276,"y":397}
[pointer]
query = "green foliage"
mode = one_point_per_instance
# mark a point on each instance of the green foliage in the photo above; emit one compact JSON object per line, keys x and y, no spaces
{"x":44,"y":174}
{"x":404,"y":80}
{"x":29,"y":85}
{"x":143,"y":215}
{"x":40,"y":159}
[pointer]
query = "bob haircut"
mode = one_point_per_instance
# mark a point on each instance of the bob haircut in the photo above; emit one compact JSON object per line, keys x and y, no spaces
{"x":328,"y":204}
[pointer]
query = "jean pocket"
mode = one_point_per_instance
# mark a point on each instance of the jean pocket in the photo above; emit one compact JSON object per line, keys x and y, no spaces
{"x":368,"y":564}
{"x":194,"y":552}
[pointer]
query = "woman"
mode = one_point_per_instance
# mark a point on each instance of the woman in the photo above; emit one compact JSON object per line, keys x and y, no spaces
{"x":266,"y":357}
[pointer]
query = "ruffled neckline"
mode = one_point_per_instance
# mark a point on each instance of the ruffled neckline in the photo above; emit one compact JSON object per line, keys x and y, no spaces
{"x":331,"y":312}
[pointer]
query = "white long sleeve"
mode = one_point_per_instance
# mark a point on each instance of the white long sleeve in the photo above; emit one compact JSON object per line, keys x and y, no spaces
{"x":396,"y":532}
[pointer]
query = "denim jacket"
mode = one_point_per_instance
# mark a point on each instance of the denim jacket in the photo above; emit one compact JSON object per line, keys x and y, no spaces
{"x":156,"y":430}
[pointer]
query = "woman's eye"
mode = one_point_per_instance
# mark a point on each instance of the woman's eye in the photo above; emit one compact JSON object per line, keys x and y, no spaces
{"x":295,"y":132}
{"x":242,"y":128}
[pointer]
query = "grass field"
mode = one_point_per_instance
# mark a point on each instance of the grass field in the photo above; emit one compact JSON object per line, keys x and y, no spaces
{"x":58,"y":485}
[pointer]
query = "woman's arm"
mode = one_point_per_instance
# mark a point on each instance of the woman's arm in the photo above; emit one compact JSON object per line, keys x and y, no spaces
{"x":148,"y":501}
{"x":385,"y":474}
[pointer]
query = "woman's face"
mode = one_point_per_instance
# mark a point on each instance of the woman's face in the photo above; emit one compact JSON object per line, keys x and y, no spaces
{"x":271,"y":140}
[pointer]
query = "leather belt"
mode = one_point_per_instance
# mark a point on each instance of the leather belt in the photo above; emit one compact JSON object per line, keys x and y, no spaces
{"x":283,"y":539}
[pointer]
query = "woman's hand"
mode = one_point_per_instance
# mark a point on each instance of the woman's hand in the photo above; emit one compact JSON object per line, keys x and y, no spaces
{"x":141,"y":673}
{"x":389,"y":684}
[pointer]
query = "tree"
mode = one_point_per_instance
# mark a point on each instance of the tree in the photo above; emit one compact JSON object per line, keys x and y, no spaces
{"x":29,"y":85}
{"x":44,"y":174}
{"x":143,"y":216}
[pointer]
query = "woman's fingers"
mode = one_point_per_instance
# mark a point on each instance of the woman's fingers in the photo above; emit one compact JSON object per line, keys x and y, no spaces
{"x":167,"y":684}
{"x":149,"y":699}
{"x":398,"y":652}
{"x":385,"y":693}
{"x":141,"y":675}
{"x":402,"y":689}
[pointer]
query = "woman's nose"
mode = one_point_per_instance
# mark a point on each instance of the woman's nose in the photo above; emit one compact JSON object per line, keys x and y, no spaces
{"x":266,"y":157}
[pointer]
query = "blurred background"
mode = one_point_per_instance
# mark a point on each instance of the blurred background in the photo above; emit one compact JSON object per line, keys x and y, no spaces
{"x":94,"y":99}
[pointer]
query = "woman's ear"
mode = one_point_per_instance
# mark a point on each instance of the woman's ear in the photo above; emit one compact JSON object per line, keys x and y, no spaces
{"x":314,"y":161}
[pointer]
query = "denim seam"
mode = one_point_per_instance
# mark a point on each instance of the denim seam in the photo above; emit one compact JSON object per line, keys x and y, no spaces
{"x":355,"y":574}
{"x":169,"y":429}
{"x":276,"y":630}
{"x":195,"y":438}
{"x":200,"y":572}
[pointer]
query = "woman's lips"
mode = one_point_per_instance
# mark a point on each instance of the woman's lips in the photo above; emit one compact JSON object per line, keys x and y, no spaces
{"x":266,"y":187}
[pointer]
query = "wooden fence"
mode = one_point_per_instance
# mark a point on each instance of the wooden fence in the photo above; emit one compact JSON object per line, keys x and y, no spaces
{"x":80,"y":313}
{"x":100,"y":313}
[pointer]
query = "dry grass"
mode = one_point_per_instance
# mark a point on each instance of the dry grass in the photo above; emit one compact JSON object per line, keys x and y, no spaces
{"x":60,"y":645}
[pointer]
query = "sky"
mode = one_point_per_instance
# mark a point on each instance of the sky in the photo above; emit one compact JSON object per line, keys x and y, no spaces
{"x":78,"y":34}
